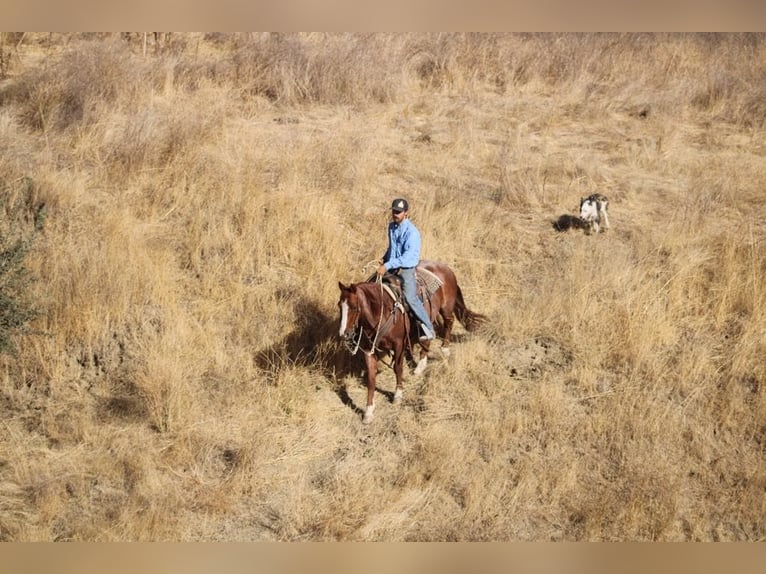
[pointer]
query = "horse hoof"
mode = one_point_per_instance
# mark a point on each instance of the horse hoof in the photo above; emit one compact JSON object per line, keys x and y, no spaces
{"x":446,"y":351}
{"x":367,"y":419}
{"x":421,"y":366}
{"x":398,"y":397}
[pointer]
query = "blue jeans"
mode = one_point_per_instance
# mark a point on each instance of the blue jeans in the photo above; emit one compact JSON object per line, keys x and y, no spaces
{"x":409,"y":287}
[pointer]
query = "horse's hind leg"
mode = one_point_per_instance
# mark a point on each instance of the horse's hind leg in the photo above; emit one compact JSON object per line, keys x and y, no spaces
{"x":449,"y":320}
{"x":423,"y":361}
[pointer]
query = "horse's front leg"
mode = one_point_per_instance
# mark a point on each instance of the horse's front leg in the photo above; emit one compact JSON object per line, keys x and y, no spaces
{"x":399,"y":372}
{"x":372,"y":371}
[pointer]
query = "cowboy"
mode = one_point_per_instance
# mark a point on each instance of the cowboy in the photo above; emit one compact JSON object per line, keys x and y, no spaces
{"x":402,"y":256}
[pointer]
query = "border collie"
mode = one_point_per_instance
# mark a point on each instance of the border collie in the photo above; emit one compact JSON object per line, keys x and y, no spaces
{"x":593,"y":212}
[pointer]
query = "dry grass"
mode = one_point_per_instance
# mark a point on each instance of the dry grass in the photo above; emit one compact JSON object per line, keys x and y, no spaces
{"x":204,"y":194}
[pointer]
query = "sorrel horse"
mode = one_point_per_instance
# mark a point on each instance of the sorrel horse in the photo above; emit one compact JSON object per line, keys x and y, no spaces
{"x":372,"y":319}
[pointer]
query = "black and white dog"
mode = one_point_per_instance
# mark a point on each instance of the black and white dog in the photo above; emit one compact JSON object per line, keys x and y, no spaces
{"x":593,"y":212}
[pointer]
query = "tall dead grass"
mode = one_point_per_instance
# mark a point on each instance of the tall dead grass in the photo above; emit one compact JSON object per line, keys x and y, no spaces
{"x":204,"y":195}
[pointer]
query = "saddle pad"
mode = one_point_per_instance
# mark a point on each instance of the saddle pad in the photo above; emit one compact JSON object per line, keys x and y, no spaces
{"x":428,"y":280}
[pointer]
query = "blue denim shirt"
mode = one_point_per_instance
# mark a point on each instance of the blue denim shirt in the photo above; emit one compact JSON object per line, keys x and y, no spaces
{"x":403,"y":245}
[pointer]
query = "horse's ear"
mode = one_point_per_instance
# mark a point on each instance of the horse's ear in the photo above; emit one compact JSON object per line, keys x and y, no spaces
{"x":342,"y":286}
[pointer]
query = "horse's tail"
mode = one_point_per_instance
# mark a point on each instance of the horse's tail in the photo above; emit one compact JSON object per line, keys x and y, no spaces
{"x":469,"y":319}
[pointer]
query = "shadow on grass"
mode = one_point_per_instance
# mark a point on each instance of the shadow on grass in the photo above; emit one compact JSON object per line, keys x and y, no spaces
{"x":566,"y":222}
{"x":313,"y":343}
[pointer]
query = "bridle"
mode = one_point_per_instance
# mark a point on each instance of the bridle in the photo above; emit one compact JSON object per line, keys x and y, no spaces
{"x":352,"y":346}
{"x":354,"y":343}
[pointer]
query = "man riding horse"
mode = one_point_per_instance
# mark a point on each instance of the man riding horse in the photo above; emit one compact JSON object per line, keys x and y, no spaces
{"x":371,"y":320}
{"x":401,"y":257}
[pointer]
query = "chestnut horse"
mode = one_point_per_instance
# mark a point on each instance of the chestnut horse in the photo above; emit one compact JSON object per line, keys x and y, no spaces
{"x":373,"y":320}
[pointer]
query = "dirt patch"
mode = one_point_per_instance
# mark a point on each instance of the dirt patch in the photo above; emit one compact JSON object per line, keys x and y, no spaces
{"x":535,"y":357}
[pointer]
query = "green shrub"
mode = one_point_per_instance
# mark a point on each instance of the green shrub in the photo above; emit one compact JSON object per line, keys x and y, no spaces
{"x":16,"y":308}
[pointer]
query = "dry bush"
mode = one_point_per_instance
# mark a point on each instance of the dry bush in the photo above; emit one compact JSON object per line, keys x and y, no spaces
{"x":66,"y":95}
{"x":204,"y":196}
{"x":342,"y":69}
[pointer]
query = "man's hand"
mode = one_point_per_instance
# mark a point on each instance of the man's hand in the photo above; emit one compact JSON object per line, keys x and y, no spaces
{"x":381,"y":269}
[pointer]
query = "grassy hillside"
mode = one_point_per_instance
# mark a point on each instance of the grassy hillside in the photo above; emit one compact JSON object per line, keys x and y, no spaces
{"x":191,"y":202}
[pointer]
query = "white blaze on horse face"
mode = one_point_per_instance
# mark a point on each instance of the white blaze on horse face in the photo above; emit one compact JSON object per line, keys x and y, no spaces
{"x":343,"y":317}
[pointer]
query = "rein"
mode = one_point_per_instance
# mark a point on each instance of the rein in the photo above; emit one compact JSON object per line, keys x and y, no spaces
{"x":379,"y":328}
{"x":379,"y":281}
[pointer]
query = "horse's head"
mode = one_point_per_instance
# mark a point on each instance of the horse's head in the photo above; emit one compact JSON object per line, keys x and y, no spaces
{"x":350,"y":311}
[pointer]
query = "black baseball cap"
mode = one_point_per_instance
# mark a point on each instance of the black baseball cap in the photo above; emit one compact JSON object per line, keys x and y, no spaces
{"x":399,"y":205}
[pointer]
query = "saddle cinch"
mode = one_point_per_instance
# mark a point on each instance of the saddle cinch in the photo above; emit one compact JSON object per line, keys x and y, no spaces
{"x":427,"y":284}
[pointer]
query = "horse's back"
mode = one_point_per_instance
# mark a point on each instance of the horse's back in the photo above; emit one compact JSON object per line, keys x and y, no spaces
{"x":438,"y":268}
{"x":452,"y":296}
{"x":441,"y":270}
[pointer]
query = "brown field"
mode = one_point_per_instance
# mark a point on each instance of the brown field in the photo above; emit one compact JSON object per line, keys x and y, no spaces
{"x":193,"y":201}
